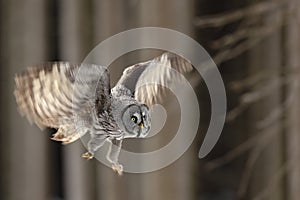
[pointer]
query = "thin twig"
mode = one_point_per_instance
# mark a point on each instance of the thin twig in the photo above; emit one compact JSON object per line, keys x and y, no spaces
{"x":233,"y":16}
{"x":240,"y":149}
{"x":278,"y":112}
{"x":247,"y":32}
{"x":254,"y":96}
{"x":233,"y":52}
{"x":264,"y":75}
{"x":248,"y":169}
{"x":258,"y":138}
{"x":289,"y":165}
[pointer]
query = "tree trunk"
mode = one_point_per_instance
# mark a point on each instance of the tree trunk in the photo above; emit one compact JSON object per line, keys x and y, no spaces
{"x":23,"y":147}
{"x":291,"y":123}
{"x":74,"y":33}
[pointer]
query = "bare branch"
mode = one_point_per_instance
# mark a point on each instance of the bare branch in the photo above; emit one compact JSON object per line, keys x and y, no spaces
{"x":233,"y":16}
{"x":264,"y":75}
{"x":248,"y":170}
{"x":233,"y":52}
{"x":289,"y":165}
{"x":261,"y":138}
{"x":247,"y":32}
{"x":278,"y":112}
{"x":246,"y":37}
{"x":254,"y":96}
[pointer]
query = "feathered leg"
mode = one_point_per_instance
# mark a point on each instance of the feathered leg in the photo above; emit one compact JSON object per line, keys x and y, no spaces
{"x":113,"y":155}
{"x":94,"y":144}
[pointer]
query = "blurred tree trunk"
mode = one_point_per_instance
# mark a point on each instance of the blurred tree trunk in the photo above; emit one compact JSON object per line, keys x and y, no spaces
{"x":291,"y":46}
{"x":276,"y":175}
{"x":175,"y":181}
{"x":74,"y":30}
{"x":23,"y":147}
{"x":266,"y":157}
{"x":110,"y":18}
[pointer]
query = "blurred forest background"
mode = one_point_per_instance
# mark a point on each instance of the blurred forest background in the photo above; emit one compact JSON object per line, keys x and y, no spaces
{"x":255,"y":44}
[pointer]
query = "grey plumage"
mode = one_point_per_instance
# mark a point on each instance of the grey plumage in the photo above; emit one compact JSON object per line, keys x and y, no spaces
{"x":78,"y":99}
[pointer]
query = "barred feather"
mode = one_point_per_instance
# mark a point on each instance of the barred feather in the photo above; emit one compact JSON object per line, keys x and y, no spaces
{"x":61,"y":95}
{"x":162,"y":71}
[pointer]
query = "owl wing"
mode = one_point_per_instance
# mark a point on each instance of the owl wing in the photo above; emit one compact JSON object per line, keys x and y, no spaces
{"x":158,"y":71}
{"x":63,"y":96}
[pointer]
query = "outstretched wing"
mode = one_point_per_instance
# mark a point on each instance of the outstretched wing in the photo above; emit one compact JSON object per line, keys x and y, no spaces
{"x":159,"y":71}
{"x":63,"y":96}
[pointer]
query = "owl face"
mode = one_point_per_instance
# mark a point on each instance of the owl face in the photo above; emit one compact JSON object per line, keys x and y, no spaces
{"x":136,"y":121}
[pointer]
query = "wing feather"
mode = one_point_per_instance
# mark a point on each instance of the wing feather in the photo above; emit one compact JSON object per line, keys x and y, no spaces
{"x":60,"y":94}
{"x":159,"y":70}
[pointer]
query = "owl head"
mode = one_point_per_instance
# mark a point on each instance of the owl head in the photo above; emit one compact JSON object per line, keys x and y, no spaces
{"x":136,"y":121}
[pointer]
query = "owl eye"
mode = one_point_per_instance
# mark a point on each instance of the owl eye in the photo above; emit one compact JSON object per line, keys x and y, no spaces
{"x":134,"y":119}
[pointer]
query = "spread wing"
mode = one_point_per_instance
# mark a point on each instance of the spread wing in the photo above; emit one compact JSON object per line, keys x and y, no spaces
{"x":159,"y":71}
{"x":63,"y":96}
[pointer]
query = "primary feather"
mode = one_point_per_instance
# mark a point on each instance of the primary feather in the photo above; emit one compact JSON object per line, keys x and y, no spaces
{"x":157,"y":72}
{"x":60,"y":95}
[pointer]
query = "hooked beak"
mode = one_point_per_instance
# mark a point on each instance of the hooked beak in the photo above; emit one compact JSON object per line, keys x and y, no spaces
{"x":141,"y":125}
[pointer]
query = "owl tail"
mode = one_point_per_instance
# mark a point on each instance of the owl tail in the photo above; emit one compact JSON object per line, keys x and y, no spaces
{"x":67,"y":134}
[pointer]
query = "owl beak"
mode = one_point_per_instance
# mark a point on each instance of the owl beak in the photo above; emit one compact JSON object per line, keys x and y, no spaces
{"x":141,"y":125}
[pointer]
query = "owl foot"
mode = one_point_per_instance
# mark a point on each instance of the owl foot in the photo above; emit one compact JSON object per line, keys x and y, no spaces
{"x":118,"y":169}
{"x":87,"y":155}
{"x":57,"y":136}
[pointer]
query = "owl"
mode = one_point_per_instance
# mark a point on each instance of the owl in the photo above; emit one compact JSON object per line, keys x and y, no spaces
{"x":78,"y":100}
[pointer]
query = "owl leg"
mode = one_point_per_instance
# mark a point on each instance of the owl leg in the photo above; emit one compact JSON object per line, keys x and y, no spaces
{"x":113,"y":155}
{"x":94,"y":144}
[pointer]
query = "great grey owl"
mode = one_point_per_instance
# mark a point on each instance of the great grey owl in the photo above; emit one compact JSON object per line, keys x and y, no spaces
{"x":78,"y":99}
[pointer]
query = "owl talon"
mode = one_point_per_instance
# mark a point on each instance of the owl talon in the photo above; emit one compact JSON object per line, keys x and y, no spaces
{"x":87,"y":155}
{"x":118,"y":169}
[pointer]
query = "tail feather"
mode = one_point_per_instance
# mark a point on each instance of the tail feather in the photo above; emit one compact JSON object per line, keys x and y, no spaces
{"x":68,"y":134}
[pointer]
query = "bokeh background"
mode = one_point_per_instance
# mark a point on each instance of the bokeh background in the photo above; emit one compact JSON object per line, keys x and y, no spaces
{"x":255,"y":44}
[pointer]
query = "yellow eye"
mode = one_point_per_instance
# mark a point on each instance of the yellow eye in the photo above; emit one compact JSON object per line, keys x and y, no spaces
{"x":134,"y":118}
